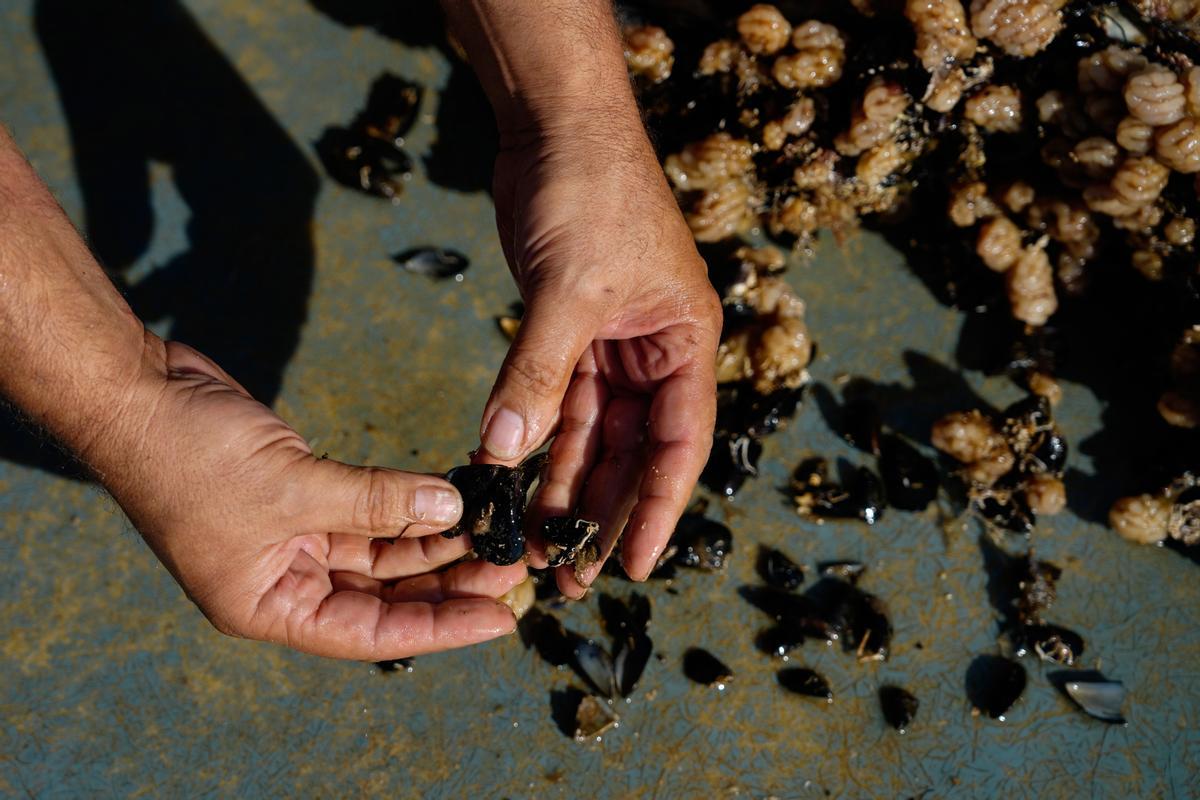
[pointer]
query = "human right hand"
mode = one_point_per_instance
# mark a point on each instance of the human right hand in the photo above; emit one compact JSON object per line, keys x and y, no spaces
{"x":275,"y":544}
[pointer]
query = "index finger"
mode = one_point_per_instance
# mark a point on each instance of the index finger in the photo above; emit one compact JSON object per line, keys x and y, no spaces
{"x":681,"y":422}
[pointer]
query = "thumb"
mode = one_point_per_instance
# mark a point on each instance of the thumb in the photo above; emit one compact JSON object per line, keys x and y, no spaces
{"x":377,"y":502}
{"x":524,"y":406}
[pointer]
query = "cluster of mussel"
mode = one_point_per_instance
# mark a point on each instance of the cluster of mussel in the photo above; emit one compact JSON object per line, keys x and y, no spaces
{"x":1012,"y":462}
{"x":609,"y":673}
{"x":1022,"y":590}
{"x":1058,"y":136}
{"x":761,"y":363}
{"x":368,"y":154}
{"x":834,"y":610}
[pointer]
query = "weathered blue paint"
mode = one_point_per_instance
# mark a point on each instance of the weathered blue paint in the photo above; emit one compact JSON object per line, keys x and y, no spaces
{"x":114,"y":685}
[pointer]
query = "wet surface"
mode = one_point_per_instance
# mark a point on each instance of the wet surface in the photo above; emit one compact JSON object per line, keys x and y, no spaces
{"x":115,"y":685}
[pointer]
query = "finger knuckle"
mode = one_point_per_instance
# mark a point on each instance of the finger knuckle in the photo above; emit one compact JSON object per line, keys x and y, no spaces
{"x":383,"y":506}
{"x":534,"y":376}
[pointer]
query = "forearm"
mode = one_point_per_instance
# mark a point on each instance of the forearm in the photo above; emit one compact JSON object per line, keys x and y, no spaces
{"x":542,"y":61}
{"x":71,"y":350}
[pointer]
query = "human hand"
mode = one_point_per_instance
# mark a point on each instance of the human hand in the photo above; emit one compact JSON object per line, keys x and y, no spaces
{"x":275,"y":544}
{"x":615,"y":356}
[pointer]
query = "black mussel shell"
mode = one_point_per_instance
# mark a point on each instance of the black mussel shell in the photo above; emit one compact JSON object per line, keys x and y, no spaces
{"x":849,"y":571}
{"x":780,"y":640}
{"x":358,"y":161}
{"x":910,"y":479}
{"x":742,"y":410}
{"x":734,"y":458}
{"x":494,"y":508}
{"x":630,"y":656}
{"x":1049,"y":643}
{"x":593,"y":663}
{"x":391,"y":109}
{"x":846,"y":613}
{"x":625,"y":617}
{"x":899,"y":707}
{"x":565,"y":537}
{"x":806,"y":682}
{"x":1097,"y":695}
{"x":1049,"y":453}
{"x":778,"y":570}
{"x":994,"y":683}
{"x":814,"y":494}
{"x":703,"y":667}
{"x":860,"y":425}
{"x":1028,"y":413}
{"x":395,"y":665}
{"x":1008,"y":510}
{"x":435,"y":262}
{"x":702,"y":543}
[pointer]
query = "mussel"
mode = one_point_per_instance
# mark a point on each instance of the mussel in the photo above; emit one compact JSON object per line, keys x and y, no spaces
{"x":1097,"y":695}
{"x":703,"y":667}
{"x":804,"y":681}
{"x":369,"y":154}
{"x":494,"y":507}
{"x":899,"y":707}
{"x":433,"y":262}
{"x":994,"y":683}
{"x":778,"y":570}
{"x":815,"y":494}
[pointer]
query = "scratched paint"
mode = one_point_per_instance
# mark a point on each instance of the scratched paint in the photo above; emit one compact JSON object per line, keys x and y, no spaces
{"x":115,"y":685}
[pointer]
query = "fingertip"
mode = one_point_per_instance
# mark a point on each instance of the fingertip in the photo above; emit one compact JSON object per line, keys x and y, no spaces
{"x":437,"y":504}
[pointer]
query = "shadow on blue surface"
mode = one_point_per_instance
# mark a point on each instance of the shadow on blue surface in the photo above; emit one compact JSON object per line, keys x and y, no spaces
{"x":140,"y":83}
{"x":462,"y":156}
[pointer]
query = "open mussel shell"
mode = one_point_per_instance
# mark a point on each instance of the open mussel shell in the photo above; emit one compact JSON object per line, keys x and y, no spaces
{"x":629,"y":662}
{"x":433,"y":262}
{"x":899,"y":707}
{"x":703,"y":667}
{"x":778,"y":570}
{"x":1051,"y":643}
{"x":1097,"y":695}
{"x":994,"y":684}
{"x":593,"y":663}
{"x":593,"y":717}
{"x":804,"y":681}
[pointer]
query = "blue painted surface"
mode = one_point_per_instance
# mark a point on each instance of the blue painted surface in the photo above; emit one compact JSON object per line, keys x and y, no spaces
{"x":114,"y":685}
